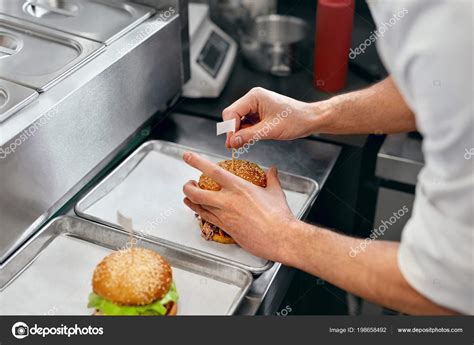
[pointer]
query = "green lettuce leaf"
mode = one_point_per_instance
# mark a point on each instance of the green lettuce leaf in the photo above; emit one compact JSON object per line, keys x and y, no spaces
{"x":156,"y":308}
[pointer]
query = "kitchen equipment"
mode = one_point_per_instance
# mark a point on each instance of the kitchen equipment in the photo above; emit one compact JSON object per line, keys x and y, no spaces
{"x":274,"y":43}
{"x":54,"y":270}
{"x":147,"y":187}
{"x":38,"y":57}
{"x":332,"y":43}
{"x":233,"y":15}
{"x":213,"y":54}
{"x":98,"y":20}
{"x":54,"y":147}
{"x":13,"y":97}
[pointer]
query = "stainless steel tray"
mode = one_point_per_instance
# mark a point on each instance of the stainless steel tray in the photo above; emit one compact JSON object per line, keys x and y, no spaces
{"x":102,"y":21}
{"x":147,"y":187}
{"x":52,"y":272}
{"x":13,"y":97}
{"x":38,"y":57}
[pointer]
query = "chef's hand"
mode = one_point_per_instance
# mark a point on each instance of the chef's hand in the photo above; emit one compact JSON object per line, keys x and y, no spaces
{"x":262,"y":115}
{"x":257,"y":218}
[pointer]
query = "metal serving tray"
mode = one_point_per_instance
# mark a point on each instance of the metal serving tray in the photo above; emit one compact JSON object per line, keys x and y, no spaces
{"x":13,"y":97}
{"x":38,"y":57}
{"x":52,"y":273}
{"x":147,"y":187}
{"x":102,"y":21}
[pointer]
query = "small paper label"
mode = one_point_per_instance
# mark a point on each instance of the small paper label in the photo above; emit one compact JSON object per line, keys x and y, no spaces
{"x":226,"y":127}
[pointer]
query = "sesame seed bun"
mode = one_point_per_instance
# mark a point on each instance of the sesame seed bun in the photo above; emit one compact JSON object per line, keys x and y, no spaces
{"x":248,"y":171}
{"x":132,"y":277}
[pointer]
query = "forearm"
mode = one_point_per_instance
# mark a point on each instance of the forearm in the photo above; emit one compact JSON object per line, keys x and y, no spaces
{"x":372,"y":274}
{"x":375,"y":110}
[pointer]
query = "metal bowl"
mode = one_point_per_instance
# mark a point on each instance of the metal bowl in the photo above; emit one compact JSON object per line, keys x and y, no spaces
{"x":274,"y":42}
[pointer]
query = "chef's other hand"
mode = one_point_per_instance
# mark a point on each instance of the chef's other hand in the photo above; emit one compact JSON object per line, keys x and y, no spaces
{"x":262,"y":115}
{"x":258,"y":219}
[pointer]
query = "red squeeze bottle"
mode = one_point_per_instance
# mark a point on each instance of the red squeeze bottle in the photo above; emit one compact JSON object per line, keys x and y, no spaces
{"x":332,"y":43}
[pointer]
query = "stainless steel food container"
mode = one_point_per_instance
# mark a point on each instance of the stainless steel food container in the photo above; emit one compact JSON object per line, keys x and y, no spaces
{"x":98,"y":20}
{"x":274,"y":43}
{"x":38,"y":57}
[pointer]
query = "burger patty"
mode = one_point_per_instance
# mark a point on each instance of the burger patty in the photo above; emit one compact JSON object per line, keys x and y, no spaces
{"x":208,"y":230}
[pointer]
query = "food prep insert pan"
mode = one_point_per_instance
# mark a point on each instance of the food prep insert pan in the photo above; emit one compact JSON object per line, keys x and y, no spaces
{"x":147,"y":187}
{"x":13,"y":97}
{"x":101,"y":21}
{"x":52,"y":273}
{"x":38,"y":57}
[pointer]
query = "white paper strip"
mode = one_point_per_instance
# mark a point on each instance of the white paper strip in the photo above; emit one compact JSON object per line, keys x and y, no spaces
{"x":225,"y":127}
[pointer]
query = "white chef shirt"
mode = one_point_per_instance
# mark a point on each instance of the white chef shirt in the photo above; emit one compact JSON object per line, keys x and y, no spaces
{"x":429,"y":53}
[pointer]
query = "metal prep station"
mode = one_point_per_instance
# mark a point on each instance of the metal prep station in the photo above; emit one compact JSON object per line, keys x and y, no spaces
{"x":82,"y":102}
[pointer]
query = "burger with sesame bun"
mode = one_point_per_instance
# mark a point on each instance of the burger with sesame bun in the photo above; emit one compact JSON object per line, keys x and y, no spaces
{"x":248,"y":171}
{"x":136,"y":281}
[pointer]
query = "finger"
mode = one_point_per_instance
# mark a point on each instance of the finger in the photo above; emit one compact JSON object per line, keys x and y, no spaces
{"x":247,"y":104}
{"x":204,"y":213}
{"x":229,"y":134}
{"x":229,"y":116}
{"x":200,"y":196}
{"x":244,"y":135}
{"x":215,"y":172}
{"x":273,"y":182}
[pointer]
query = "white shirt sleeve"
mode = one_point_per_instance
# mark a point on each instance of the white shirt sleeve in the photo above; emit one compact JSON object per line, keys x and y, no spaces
{"x":429,"y":53}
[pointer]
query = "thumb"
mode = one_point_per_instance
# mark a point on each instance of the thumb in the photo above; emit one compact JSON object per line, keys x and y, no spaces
{"x":272,"y":178}
{"x":245,"y":135}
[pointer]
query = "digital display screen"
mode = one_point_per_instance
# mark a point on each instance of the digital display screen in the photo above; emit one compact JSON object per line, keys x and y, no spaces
{"x":213,"y":54}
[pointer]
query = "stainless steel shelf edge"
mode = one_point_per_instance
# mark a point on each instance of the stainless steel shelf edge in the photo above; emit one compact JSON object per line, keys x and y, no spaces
{"x":117,"y":175}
